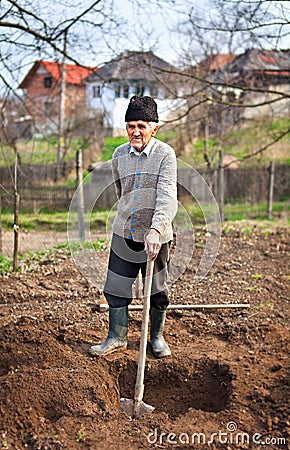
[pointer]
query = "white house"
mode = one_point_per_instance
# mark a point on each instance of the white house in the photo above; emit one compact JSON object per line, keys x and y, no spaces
{"x":109,"y":88}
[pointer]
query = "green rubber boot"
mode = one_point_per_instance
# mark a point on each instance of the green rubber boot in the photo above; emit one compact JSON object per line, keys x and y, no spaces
{"x":159,"y":345}
{"x":117,"y":335}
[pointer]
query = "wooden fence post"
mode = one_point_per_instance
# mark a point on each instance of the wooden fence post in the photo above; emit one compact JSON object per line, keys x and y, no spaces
{"x":220,"y":187}
{"x":80,"y":194}
{"x":270,"y":190}
{"x":16,"y":218}
{"x":1,"y":235}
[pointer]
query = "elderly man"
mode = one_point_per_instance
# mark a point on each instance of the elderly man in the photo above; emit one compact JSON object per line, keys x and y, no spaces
{"x":144,"y":173}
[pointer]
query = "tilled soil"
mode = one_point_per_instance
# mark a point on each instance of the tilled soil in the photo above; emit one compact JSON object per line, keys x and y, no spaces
{"x":225,"y":386}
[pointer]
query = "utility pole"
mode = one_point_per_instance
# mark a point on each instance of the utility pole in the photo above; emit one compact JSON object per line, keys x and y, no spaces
{"x":61,"y":115}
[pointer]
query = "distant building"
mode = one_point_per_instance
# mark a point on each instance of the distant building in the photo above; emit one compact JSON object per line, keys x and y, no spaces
{"x":98,"y":98}
{"x":132,"y":73}
{"x":213,"y":63}
{"x":267,"y":72}
{"x":42,"y":87}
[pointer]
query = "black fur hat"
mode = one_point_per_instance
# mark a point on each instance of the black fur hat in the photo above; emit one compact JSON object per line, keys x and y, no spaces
{"x":142,"y":108}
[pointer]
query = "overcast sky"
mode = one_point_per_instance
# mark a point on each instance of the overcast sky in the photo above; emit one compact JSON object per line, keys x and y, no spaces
{"x":157,"y":26}
{"x":144,"y":25}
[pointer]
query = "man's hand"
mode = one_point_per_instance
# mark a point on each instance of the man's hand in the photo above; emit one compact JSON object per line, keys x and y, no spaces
{"x":152,"y":243}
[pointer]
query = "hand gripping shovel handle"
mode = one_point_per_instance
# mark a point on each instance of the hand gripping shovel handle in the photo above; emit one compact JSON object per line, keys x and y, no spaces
{"x":139,"y":387}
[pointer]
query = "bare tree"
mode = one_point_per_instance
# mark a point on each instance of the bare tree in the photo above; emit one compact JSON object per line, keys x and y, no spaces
{"x":32,"y":31}
{"x":222,"y":26}
{"x":218,"y":90}
{"x":35,"y":30}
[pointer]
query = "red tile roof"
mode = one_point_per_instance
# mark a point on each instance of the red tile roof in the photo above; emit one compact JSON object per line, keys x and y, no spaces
{"x":221,"y":60}
{"x":74,"y":74}
{"x":268,"y":59}
{"x":215,"y":62}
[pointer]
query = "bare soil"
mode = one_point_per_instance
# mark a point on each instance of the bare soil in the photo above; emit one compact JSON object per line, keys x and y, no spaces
{"x":226,"y":385}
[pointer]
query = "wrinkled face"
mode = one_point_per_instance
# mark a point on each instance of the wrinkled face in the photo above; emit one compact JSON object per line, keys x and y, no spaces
{"x":140,"y":133}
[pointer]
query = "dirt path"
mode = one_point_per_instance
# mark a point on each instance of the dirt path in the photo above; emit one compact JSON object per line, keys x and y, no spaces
{"x":226,"y":385}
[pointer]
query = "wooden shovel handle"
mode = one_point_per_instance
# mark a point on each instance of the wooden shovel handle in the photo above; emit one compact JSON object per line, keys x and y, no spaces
{"x":139,"y":387}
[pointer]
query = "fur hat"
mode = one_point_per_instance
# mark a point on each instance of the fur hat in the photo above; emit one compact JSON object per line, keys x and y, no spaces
{"x":142,"y":108}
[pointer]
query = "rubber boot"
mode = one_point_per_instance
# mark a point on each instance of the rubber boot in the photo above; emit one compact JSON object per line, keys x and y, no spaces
{"x":159,"y":345}
{"x":117,"y":335}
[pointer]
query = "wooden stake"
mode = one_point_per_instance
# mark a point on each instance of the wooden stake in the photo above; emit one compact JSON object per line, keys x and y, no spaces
{"x":103,"y":307}
{"x":80,"y":194}
{"x":270,"y":191}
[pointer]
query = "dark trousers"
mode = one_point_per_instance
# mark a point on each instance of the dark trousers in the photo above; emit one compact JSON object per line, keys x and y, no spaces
{"x":127,"y":257}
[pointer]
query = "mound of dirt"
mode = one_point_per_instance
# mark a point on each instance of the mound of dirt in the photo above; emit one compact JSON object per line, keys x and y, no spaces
{"x":225,"y":386}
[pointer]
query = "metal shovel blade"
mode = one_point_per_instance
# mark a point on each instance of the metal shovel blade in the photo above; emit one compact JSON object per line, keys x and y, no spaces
{"x":135,"y":409}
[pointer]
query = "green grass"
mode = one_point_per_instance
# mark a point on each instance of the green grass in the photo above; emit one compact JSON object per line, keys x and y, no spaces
{"x":198,"y":149}
{"x":27,"y":261}
{"x":44,"y":220}
{"x":246,"y":141}
{"x":257,"y":211}
{"x":5,"y":264}
{"x":237,"y":143}
{"x":241,"y":211}
{"x":41,"y":151}
{"x":48,"y":220}
{"x":110,"y":143}
{"x":189,"y":215}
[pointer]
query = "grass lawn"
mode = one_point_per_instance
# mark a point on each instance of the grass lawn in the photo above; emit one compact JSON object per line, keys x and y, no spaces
{"x":46,"y":220}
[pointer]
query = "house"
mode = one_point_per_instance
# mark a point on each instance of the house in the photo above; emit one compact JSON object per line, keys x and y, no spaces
{"x":260,"y":79}
{"x":132,"y":73}
{"x":14,"y":123}
{"x":42,"y":86}
{"x":213,"y":63}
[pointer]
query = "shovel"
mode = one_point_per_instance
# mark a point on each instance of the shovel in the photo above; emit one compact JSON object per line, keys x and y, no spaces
{"x":137,"y":407}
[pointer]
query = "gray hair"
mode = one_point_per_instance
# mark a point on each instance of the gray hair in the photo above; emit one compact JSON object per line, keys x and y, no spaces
{"x":153,"y":125}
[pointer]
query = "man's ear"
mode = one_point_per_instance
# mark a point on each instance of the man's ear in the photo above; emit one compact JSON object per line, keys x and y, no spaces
{"x":154,"y":131}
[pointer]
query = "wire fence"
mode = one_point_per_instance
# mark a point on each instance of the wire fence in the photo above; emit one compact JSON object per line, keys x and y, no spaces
{"x":240,"y":186}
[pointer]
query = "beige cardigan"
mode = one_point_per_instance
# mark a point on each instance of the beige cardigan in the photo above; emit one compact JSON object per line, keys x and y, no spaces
{"x":146,"y":187}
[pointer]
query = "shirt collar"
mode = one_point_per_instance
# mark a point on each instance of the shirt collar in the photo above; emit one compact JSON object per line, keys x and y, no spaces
{"x":146,"y":150}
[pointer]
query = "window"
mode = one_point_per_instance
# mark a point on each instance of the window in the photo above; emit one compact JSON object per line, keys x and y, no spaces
{"x":47,"y":82}
{"x":138,"y":87}
{"x":126,"y":91}
{"x":96,"y":91}
{"x":118,"y":89}
{"x":121,"y":91}
{"x":49,"y":107}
